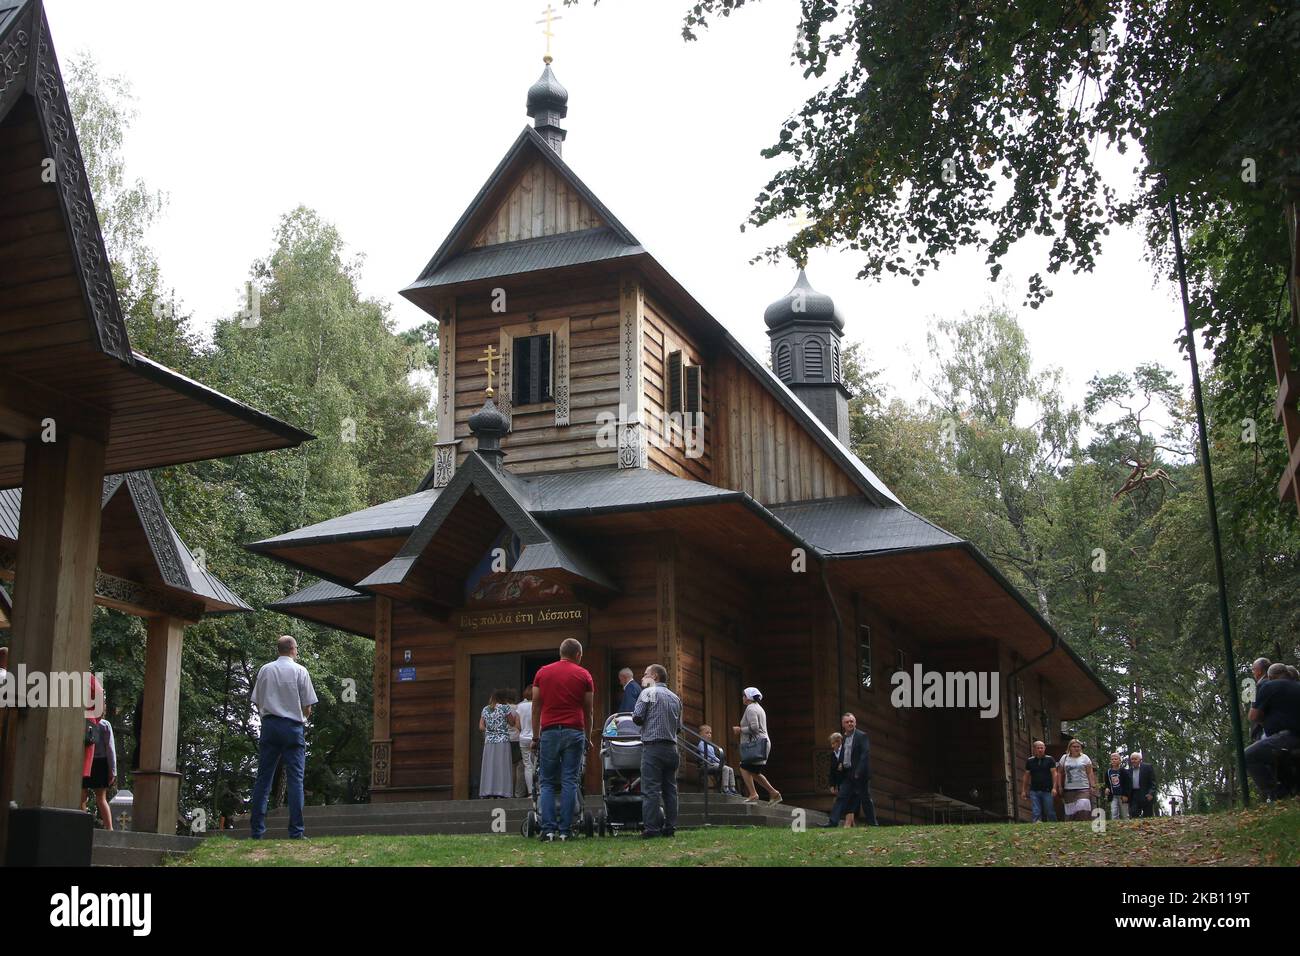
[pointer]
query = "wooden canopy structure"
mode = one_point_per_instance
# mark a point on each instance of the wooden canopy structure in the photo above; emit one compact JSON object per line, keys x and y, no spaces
{"x":77,"y":403}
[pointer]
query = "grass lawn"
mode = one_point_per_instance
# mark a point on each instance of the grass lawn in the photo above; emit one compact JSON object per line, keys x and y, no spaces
{"x":1267,"y":835}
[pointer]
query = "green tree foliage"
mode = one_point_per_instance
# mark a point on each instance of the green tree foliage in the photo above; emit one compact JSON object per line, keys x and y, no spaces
{"x":943,"y":125}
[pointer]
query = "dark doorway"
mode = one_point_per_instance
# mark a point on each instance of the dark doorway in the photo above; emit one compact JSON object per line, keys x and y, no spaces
{"x":489,"y":672}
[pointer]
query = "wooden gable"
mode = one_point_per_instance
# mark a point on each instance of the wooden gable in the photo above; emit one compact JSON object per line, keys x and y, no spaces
{"x":540,"y":202}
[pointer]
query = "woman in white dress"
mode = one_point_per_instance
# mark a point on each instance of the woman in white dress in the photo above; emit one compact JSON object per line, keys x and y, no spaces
{"x":1079,"y":776}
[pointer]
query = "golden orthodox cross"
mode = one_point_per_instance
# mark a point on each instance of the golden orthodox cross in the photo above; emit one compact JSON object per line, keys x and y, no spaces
{"x":490,"y":355}
{"x":551,"y":17}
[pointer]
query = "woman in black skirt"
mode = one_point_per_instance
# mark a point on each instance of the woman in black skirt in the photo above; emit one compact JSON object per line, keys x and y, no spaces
{"x":103,"y":767}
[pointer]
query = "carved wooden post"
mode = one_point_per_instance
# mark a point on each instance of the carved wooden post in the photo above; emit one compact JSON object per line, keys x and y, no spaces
{"x":157,"y":782}
{"x":54,"y":597}
{"x":381,"y":736}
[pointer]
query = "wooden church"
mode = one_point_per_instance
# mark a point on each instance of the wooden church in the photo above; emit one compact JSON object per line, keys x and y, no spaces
{"x":636,"y":479}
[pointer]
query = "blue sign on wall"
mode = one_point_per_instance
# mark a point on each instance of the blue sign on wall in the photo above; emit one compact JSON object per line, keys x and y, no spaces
{"x":406,"y":673}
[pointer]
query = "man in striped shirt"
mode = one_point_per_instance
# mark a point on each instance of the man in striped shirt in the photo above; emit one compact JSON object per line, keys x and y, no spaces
{"x":658,"y":713}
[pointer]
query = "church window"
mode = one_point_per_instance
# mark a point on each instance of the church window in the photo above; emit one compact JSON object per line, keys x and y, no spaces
{"x":531,"y":371}
{"x":836,"y":371}
{"x":864,"y":656}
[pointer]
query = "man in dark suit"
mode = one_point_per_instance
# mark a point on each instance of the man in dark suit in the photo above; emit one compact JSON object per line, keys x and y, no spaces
{"x":1138,"y":783}
{"x":631,"y":691}
{"x":853,"y":770}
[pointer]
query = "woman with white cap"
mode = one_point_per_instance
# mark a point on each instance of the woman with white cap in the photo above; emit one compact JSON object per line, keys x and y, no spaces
{"x":755,"y":746}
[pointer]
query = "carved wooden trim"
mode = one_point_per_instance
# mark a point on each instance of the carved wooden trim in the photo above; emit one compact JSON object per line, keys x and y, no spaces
{"x":78,"y":206}
{"x":157,"y":529}
{"x":444,"y":462}
{"x":447,"y":373}
{"x":631,"y":392}
{"x":381,"y":757}
{"x":131,"y":597}
{"x":14,"y":53}
{"x":143,"y":600}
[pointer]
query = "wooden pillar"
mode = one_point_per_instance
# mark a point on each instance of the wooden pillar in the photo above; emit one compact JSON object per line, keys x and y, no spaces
{"x":157,"y":782}
{"x":666,"y":612}
{"x":54,"y":597}
{"x":381,"y":745}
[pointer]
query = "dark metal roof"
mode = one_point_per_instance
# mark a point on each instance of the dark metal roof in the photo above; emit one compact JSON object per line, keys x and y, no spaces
{"x":567,"y":493}
{"x":391,"y":519}
{"x":849,"y":526}
{"x":322,"y":592}
{"x":530,"y":255}
{"x":8,"y":13}
{"x":203,"y":582}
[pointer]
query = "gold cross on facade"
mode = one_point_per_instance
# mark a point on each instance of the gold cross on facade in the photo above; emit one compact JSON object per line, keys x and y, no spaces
{"x":490,"y":355}
{"x":551,"y":17}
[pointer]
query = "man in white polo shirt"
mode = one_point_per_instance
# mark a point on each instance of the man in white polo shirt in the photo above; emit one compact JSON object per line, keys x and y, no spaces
{"x":284,"y":697}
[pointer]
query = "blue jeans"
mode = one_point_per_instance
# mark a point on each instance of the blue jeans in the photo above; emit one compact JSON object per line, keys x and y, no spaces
{"x":1043,"y":804}
{"x":659,"y":762}
{"x":281,"y":740}
{"x":561,"y":764}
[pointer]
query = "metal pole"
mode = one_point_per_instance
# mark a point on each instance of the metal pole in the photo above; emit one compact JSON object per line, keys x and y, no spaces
{"x":1233,"y":695}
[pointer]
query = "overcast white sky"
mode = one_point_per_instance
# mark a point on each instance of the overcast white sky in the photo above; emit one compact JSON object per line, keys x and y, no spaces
{"x":387,"y":117}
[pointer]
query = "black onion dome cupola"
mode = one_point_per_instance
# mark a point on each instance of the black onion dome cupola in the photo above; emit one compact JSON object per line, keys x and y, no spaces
{"x":806,"y":329}
{"x":489,"y":425}
{"x":548,"y":104}
{"x":803,"y":303}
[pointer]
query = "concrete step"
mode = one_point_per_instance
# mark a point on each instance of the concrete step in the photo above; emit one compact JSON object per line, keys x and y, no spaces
{"x":130,"y":848}
{"x":477,"y":816}
{"x":455,"y":807}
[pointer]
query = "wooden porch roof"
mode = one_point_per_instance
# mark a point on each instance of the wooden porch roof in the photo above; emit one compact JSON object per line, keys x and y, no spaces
{"x":138,"y":546}
{"x":64,"y":351}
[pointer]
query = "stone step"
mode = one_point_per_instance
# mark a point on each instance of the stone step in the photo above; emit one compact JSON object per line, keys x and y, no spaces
{"x":474,"y":816}
{"x":483,"y":826}
{"x":453,"y":808}
{"x":137,"y":839}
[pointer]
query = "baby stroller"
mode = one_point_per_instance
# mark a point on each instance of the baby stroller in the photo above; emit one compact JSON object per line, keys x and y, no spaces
{"x":583,"y":821}
{"x":620,"y":779}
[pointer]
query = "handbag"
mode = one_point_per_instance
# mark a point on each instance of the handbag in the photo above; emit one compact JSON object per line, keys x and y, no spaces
{"x":754,"y":750}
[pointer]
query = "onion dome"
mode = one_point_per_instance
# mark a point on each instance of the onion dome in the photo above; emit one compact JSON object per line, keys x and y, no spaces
{"x":488,"y":424}
{"x":803,"y":304}
{"x":547,"y":96}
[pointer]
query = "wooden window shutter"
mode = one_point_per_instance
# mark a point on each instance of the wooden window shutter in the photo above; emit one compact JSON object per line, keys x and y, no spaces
{"x":694,"y":389}
{"x":674,"y":399}
{"x":813,"y":360}
{"x":783,"y":369}
{"x":836,"y":371}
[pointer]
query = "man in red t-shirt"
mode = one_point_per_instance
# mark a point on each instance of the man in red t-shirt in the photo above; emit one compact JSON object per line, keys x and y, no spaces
{"x":563,"y":693}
